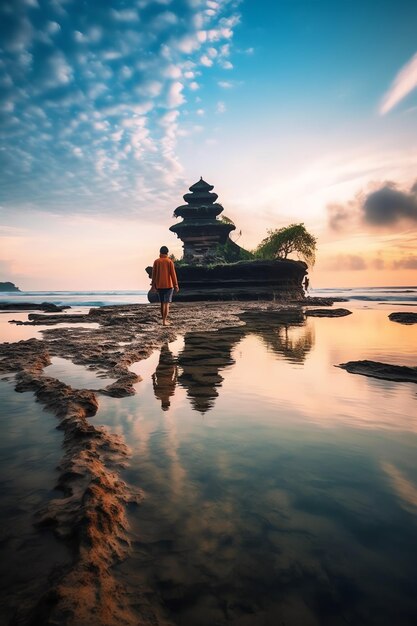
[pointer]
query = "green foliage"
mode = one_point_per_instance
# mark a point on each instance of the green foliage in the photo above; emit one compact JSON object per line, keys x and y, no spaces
{"x":180,"y":262}
{"x":284,"y":241}
{"x":231,"y":252}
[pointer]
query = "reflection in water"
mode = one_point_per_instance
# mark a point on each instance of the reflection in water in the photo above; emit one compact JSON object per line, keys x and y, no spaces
{"x":165,"y":377}
{"x":205,"y":355}
{"x":293,"y":345}
{"x":406,"y":490}
{"x":202,"y":358}
{"x":30,"y":450}
{"x":295,"y":503}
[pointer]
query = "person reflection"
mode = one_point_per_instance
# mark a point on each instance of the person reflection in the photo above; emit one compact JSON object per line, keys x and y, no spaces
{"x":165,"y":377}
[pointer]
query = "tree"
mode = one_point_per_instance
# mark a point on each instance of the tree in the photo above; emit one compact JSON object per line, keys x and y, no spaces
{"x":284,"y":241}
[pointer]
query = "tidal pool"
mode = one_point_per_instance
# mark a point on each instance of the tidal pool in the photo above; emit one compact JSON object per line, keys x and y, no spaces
{"x":30,"y":450}
{"x":279,"y":489}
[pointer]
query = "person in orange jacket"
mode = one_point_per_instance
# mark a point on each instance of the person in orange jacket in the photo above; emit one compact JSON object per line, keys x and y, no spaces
{"x":164,"y":280}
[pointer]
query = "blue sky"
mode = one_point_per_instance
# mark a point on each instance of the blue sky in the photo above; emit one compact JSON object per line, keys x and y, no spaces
{"x":110,"y":110}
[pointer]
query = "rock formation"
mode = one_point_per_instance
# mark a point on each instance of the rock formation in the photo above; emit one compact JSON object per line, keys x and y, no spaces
{"x":403,"y":317}
{"x":7,"y":286}
{"x":328,"y":312}
{"x":206,"y":271}
{"x":385,"y":371}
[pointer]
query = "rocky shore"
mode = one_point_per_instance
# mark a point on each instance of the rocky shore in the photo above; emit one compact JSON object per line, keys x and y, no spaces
{"x":91,"y":514}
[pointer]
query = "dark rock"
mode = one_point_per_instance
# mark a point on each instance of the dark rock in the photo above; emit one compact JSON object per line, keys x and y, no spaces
{"x":48,"y":307}
{"x":327,"y":312}
{"x":403,"y":318}
{"x":386,"y":371}
{"x":7,"y":286}
{"x":313,"y":301}
{"x":36,"y":319}
{"x":280,"y":279}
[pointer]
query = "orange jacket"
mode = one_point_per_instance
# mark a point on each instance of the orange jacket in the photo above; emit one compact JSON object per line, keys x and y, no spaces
{"x":163,"y":273}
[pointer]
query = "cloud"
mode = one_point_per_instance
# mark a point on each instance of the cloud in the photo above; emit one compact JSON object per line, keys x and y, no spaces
{"x":407,"y":263}
{"x":125,"y":15}
{"x":84,"y":89}
{"x":384,"y":206}
{"x":389,"y":205}
{"x":220,"y":107}
{"x":339,"y":215}
{"x":345,"y":262}
{"x":378,"y":263}
{"x":205,"y":60}
{"x":403,"y":84}
{"x":175,"y":96}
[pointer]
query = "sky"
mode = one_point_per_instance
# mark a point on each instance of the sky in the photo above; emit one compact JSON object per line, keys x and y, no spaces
{"x":295,"y":110}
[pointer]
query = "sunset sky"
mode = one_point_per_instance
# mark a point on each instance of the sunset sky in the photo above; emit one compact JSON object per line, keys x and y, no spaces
{"x":295,"y":110}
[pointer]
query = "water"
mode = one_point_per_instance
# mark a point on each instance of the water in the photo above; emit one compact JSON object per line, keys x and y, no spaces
{"x":76,"y":298}
{"x":404,"y":294}
{"x":30,"y":450}
{"x":279,"y":489}
{"x":388,"y":295}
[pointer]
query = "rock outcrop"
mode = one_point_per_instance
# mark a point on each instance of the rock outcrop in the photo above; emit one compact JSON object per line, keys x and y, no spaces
{"x":385,"y":371}
{"x":7,"y":286}
{"x":328,"y":312}
{"x":403,"y":317}
{"x":280,"y":279}
{"x":48,"y":307}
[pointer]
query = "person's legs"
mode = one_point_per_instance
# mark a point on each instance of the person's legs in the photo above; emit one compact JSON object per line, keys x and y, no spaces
{"x":165,"y":297}
{"x":165,"y":311}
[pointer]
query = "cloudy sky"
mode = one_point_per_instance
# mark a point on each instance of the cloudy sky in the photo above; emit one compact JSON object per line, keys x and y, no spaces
{"x":296,"y":110}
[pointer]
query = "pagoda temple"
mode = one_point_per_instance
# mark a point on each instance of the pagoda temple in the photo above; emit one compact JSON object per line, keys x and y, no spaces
{"x":200,"y":230}
{"x":215,"y":267}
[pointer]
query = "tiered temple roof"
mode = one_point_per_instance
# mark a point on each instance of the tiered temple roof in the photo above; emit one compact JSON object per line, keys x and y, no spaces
{"x":200,"y":230}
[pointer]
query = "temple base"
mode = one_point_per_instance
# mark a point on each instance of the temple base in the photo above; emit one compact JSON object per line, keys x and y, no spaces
{"x":245,"y":280}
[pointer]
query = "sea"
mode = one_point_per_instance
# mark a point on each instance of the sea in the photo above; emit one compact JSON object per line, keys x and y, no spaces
{"x":279,"y":488}
{"x":113,"y":297}
{"x":76,"y":298}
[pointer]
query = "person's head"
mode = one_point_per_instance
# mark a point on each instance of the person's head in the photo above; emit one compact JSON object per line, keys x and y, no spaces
{"x":163,"y":250}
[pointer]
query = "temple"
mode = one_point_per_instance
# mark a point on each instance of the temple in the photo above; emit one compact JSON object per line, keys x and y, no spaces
{"x":200,"y":231}
{"x":214,"y":267}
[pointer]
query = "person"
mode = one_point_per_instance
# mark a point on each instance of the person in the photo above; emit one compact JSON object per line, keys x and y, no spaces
{"x":306,"y":284}
{"x":164,"y":280}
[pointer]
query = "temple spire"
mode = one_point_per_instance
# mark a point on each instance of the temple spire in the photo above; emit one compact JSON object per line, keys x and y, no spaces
{"x":200,"y":231}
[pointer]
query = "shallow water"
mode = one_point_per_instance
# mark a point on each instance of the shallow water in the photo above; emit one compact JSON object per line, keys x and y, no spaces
{"x":77,"y":376}
{"x":9,"y":332}
{"x":279,"y":488}
{"x":30,"y":450}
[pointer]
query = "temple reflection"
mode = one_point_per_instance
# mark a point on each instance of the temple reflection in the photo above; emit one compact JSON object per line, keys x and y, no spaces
{"x":198,"y":366}
{"x":203,"y":357}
